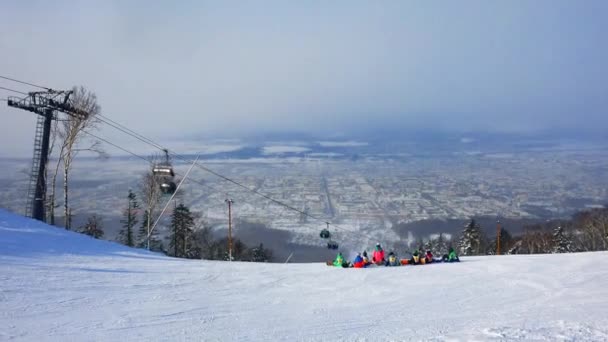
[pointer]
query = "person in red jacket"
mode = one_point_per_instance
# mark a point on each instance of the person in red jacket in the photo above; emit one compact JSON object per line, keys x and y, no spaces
{"x":429,"y":257}
{"x":378,"y":257}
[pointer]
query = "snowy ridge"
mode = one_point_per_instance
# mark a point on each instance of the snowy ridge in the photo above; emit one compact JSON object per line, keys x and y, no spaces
{"x":20,"y":236}
{"x":62,"y":286}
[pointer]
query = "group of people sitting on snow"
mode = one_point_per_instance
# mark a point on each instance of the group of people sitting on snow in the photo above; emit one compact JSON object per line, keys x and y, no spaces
{"x":378,"y":258}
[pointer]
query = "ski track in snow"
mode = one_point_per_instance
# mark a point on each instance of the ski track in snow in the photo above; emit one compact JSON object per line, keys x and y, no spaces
{"x":61,"y":286}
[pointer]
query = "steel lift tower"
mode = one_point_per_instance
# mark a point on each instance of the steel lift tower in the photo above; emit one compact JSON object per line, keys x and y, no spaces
{"x":45,"y":104}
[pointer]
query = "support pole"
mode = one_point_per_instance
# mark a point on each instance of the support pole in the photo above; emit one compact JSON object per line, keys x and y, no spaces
{"x":38,"y":209}
{"x":45,"y":103}
{"x":229,"y":201}
{"x":174,"y":231}
{"x":498,"y":230}
{"x":148,"y":226}
{"x":289,"y":257}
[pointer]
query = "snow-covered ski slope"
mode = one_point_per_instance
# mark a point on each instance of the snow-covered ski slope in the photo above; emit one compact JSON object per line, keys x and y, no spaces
{"x":62,"y":286}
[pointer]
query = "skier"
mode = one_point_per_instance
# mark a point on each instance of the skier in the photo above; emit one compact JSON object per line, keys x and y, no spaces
{"x":378,"y":257}
{"x":451,"y":257}
{"x":358,"y":262}
{"x":392,"y":260}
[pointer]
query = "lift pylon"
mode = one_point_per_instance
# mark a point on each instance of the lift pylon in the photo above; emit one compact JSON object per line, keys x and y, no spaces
{"x":45,"y":104}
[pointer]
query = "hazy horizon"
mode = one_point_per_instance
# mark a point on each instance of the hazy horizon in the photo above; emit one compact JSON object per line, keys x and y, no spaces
{"x":342,"y":69}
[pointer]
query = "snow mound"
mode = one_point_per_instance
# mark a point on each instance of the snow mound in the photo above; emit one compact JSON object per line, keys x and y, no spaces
{"x":21,"y":236}
{"x":62,"y":286}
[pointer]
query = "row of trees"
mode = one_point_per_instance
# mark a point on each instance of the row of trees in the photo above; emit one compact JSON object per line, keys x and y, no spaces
{"x":473,"y":241}
{"x":586,"y":231}
{"x":212,"y":248}
{"x":186,"y":238}
{"x":187,"y":242}
{"x":439,"y":244}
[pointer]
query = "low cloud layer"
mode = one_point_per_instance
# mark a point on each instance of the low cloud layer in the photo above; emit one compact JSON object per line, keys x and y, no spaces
{"x":227,"y":69}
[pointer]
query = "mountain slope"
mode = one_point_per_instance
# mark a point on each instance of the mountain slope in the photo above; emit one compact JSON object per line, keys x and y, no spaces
{"x":58,"y":285}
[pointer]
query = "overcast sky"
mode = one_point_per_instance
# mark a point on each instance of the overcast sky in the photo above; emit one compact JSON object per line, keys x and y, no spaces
{"x":233,"y":67}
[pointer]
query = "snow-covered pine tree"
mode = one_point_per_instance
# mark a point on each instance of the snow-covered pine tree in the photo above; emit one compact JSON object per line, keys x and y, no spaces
{"x":442,"y":245}
{"x":142,"y":233}
{"x":93,"y":227}
{"x":427,"y":246}
{"x":562,"y":243}
{"x":129,"y":221}
{"x":260,"y":254}
{"x":182,"y":241}
{"x":471,"y":240}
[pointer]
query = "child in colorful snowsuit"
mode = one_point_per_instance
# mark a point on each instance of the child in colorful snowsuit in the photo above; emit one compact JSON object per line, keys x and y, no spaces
{"x":392,"y":260}
{"x":415,"y":260}
{"x":378,"y":257}
{"x":451,"y":257}
{"x":365,"y":258}
{"x":358,"y":262}
{"x":339,"y":261}
{"x":429,"y":257}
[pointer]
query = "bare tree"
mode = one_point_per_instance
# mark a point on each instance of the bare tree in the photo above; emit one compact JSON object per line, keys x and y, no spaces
{"x":593,"y":226}
{"x":536,"y":240}
{"x":93,"y":227}
{"x":150,"y":196}
{"x":51,"y":195}
{"x":70,"y":133}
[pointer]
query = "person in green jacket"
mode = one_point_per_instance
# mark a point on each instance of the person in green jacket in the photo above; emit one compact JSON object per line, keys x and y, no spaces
{"x":339,"y":261}
{"x":451,"y":257}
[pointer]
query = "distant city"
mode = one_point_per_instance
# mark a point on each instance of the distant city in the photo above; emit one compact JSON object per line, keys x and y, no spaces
{"x":367,"y":193}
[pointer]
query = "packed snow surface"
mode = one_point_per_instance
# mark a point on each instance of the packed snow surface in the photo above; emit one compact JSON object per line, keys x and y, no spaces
{"x":62,"y":286}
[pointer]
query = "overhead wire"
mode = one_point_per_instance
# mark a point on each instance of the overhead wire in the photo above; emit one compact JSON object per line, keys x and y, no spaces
{"x":116,"y":146}
{"x":23,"y":82}
{"x":128,"y":131}
{"x":117,"y":126}
{"x":147,"y":160}
{"x":14,"y":91}
{"x":148,"y":141}
{"x":143,"y":139}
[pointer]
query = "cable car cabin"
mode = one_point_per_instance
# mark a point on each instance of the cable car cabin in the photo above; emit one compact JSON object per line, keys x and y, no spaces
{"x":325,"y":234}
{"x":332,"y":245}
{"x":163,"y":170}
{"x":167,"y":187}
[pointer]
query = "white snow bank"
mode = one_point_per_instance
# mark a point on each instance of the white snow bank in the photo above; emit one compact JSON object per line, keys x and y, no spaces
{"x":57,"y":285}
{"x":349,"y":143}
{"x":23,"y":237}
{"x":281,"y":149}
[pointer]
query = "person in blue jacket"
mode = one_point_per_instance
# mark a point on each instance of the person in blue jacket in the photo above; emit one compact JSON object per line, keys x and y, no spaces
{"x":359,"y":262}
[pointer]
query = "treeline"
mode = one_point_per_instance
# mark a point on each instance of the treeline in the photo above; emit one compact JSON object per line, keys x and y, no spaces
{"x":188,"y":237}
{"x":585,"y":231}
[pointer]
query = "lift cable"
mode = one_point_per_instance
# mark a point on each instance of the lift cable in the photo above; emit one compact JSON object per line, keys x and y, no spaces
{"x":146,"y":159}
{"x":14,"y":91}
{"x":148,"y":141}
{"x":23,"y":82}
